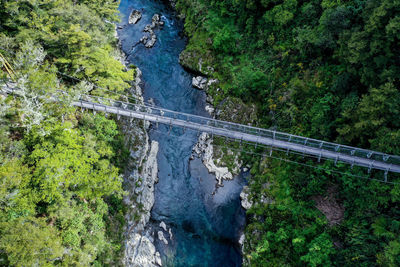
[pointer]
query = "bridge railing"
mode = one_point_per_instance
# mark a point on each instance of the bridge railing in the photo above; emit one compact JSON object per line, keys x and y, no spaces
{"x":235,"y":127}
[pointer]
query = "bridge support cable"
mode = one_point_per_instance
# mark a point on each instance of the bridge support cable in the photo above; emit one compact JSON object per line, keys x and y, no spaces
{"x":290,"y":143}
{"x":275,"y":156}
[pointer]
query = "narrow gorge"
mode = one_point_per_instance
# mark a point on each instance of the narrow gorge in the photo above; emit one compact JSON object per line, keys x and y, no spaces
{"x":196,"y":219}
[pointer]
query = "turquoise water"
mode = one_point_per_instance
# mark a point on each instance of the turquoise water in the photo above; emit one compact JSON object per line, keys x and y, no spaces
{"x":205,"y":227}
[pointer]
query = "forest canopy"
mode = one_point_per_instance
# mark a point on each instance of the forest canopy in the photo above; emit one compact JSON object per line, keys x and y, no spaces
{"x":60,"y":169}
{"x":326,"y":69}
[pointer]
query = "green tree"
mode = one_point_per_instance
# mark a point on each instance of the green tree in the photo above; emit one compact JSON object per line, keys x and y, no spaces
{"x":30,"y":241}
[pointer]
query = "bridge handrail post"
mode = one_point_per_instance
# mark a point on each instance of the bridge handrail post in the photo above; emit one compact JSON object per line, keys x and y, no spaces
{"x":320,"y":151}
{"x":386,"y":174}
{"x":305,"y":146}
{"x":198,"y":130}
{"x":170,"y":126}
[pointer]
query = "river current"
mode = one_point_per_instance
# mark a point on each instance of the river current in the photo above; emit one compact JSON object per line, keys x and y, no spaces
{"x":205,"y":227}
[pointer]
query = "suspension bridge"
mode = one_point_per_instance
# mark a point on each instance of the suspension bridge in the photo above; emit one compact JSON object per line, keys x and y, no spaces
{"x":243,"y":133}
{"x":273,"y":139}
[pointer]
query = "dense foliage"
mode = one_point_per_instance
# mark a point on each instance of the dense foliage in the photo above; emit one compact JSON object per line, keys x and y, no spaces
{"x":60,"y":169}
{"x":327,"y":69}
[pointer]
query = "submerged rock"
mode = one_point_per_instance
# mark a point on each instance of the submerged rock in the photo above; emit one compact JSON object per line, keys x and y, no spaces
{"x":162,"y":238}
{"x":134,"y":17}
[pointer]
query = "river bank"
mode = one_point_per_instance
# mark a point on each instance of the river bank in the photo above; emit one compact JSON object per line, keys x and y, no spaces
{"x":140,"y":176}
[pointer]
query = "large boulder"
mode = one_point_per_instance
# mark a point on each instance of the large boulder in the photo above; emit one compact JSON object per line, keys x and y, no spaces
{"x":235,"y":110}
{"x":203,"y":83}
{"x":197,"y":61}
{"x":134,"y":17}
{"x":199,"y":82}
{"x":245,"y":200}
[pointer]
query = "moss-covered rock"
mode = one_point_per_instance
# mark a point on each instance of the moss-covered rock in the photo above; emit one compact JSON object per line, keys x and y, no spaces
{"x":235,"y":110}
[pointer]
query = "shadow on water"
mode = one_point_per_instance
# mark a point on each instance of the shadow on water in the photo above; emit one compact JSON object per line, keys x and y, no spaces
{"x":205,"y":227}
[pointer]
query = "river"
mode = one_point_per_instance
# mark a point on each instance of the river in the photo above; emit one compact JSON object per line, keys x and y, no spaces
{"x":205,"y":227}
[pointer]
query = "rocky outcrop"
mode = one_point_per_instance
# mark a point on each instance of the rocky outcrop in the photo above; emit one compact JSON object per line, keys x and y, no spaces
{"x":241,"y":241}
{"x":139,"y":179}
{"x":235,"y":110}
{"x":205,"y":150}
{"x":143,"y":253}
{"x":202,"y":83}
{"x":134,"y":17}
{"x":210,"y":109}
{"x":168,"y":232}
{"x":244,"y":197}
{"x":196,"y":61}
{"x":199,"y":82}
{"x":150,"y":38}
{"x":141,"y":201}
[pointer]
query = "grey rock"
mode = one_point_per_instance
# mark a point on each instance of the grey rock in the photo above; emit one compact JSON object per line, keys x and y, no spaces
{"x":163,"y":226}
{"x":244,"y":196}
{"x":142,"y":170}
{"x":144,"y":39}
{"x":210,"y":109}
{"x":266,"y":200}
{"x":155,"y":18}
{"x":205,"y":148}
{"x":143,"y":252}
{"x":148,"y":28}
{"x":158,"y":258}
{"x":134,"y":17}
{"x":199,"y":82}
{"x":150,"y":38}
{"x":162,"y":238}
{"x":241,"y":240}
{"x":150,"y":43}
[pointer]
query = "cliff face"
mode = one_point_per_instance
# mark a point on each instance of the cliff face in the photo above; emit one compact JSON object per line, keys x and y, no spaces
{"x":139,"y":179}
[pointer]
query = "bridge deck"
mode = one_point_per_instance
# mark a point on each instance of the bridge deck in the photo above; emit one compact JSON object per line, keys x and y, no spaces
{"x":351,"y":155}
